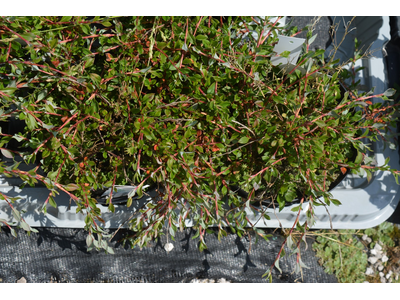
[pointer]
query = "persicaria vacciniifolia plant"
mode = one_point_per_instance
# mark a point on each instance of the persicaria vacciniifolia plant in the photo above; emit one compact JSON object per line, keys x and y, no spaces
{"x":191,"y":105}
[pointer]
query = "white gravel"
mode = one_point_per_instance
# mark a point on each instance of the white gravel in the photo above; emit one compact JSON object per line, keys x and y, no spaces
{"x":21,"y":280}
{"x":372,"y":260}
{"x":378,"y":247}
{"x":168,"y":247}
{"x":378,"y":259}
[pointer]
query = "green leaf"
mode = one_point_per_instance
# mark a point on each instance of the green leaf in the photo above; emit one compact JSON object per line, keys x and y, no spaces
{"x":132,"y":193}
{"x":85,"y":28}
{"x":42,"y":94}
{"x":171,"y":231}
{"x":318,"y":147}
{"x":16,"y":215}
{"x":52,"y":202}
{"x":277,"y":265}
{"x":361,"y":103}
{"x":389,"y":92}
{"x":296,"y":208}
{"x":9,"y":90}
{"x":89,"y":62}
{"x":7,"y":153}
{"x":49,"y":127}
{"x":170,"y":163}
{"x":309,"y":64}
{"x":139,"y":48}
{"x":244,"y":140}
{"x":161,"y":45}
{"x":224,"y":190}
{"x":201,"y":37}
{"x":18,"y":137}
{"x":281,"y":202}
{"x":89,"y":240}
{"x":336,"y":202}
{"x":302,"y":264}
{"x":52,"y":175}
{"x":71,"y":187}
{"x":312,"y":39}
{"x":211,"y":89}
{"x":29,"y":36}
{"x":148,"y":97}
{"x":65,"y":19}
{"x":31,"y":122}
{"x":285,"y":54}
{"x":25,"y":226}
{"x":95,"y":77}
{"x":139,"y":190}
{"x":145,"y":69}
{"x":359,"y":158}
{"x":13,"y":232}
{"x":106,"y":24}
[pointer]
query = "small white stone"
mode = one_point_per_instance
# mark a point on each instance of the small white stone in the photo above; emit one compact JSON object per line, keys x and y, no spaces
{"x":21,"y":280}
{"x":390,"y":280}
{"x":221,"y":280}
{"x":396,"y":277}
{"x":378,"y":247}
{"x":388,"y":275}
{"x":377,"y":253}
{"x":383,"y":279}
{"x":369,"y":271}
{"x":381,"y":274}
{"x":385,"y":258}
{"x":168,"y":247}
{"x":380,"y":268}
{"x":366,"y":282}
{"x":372,"y":260}
{"x":364,"y":237}
{"x":211,"y":281}
{"x":194,"y":280}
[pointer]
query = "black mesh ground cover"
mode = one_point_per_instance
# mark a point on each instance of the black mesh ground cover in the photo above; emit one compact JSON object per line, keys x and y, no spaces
{"x":57,"y":254}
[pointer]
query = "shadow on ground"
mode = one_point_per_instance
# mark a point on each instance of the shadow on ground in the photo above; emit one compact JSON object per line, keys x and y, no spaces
{"x":61,"y":254}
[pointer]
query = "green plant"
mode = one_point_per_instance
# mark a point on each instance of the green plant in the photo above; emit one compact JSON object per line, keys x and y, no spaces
{"x":384,"y":233}
{"x":341,"y":253}
{"x":192,"y":105}
{"x":344,"y":254}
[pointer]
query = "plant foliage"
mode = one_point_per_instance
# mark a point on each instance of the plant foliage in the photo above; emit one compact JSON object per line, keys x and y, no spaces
{"x":344,"y":254}
{"x":192,"y":105}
